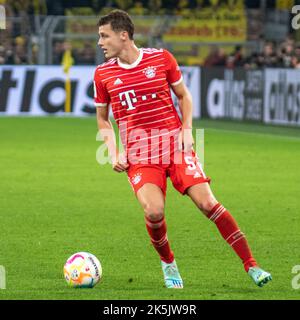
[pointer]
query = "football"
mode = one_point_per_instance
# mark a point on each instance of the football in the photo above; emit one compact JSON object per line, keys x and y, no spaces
{"x":82,"y":270}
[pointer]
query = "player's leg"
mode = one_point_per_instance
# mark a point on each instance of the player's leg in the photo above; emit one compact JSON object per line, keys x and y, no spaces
{"x":152,"y":200}
{"x":149,"y":185}
{"x":204,"y":199}
{"x":188,"y":178}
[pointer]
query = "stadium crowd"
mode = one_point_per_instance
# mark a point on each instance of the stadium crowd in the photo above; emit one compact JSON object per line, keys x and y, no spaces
{"x":19,"y":46}
{"x":283,"y":55}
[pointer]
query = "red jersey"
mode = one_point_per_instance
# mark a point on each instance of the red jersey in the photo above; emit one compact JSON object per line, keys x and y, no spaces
{"x":140,"y":98}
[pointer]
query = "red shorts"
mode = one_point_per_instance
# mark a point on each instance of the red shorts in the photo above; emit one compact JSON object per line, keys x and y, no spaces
{"x":183,"y":174}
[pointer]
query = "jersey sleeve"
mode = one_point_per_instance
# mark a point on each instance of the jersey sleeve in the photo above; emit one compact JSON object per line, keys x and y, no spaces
{"x":174,"y":75}
{"x":101,"y":97}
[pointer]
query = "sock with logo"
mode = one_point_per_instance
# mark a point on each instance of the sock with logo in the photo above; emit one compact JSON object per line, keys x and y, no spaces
{"x":231,"y":233}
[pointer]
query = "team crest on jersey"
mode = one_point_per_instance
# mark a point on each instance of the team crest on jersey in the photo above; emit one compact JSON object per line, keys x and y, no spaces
{"x":136,"y":178}
{"x":150,"y":72}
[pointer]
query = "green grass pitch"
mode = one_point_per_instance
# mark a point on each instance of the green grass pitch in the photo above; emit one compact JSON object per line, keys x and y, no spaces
{"x":55,"y":200}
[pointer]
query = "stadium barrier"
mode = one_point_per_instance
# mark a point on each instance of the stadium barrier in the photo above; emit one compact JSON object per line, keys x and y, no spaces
{"x":40,"y":90}
{"x":282,"y":96}
{"x":271,"y":96}
{"x":234,"y":94}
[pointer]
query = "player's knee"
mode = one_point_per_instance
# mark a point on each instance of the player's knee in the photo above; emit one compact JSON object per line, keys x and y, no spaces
{"x":154,"y":212}
{"x":206,"y":205}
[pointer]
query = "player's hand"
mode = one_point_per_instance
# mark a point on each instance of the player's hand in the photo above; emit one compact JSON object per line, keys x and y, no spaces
{"x":119,"y":163}
{"x":185,"y":139}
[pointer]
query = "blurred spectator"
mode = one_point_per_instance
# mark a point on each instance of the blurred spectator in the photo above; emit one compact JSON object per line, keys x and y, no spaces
{"x":238,"y":56}
{"x":86,"y":56}
{"x":155,"y":7}
{"x":20,"y":54}
{"x":285,"y":58}
{"x":235,"y":59}
{"x":67,"y":45}
{"x":216,"y":57}
{"x":106,"y":9}
{"x":9,"y":57}
{"x":58,"y":50}
{"x":138,"y":9}
{"x":124,"y":4}
{"x":17,"y":44}
{"x":297,"y":50}
{"x":295,"y":62}
{"x":268,"y":57}
{"x":282,"y":55}
{"x":2,"y":55}
{"x":183,"y":9}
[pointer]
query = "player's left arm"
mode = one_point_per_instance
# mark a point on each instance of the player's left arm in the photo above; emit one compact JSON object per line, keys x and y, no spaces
{"x":186,"y":140}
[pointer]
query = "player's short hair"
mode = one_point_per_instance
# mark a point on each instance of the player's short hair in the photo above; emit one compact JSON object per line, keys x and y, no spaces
{"x":119,"y":21}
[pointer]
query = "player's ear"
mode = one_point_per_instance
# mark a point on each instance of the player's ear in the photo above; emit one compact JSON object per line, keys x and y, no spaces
{"x":124,"y":35}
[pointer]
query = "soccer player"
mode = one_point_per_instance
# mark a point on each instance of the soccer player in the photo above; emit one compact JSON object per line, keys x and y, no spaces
{"x":135,"y":83}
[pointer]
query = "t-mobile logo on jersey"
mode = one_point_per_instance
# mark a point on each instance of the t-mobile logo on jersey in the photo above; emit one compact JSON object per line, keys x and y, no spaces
{"x":130,"y":98}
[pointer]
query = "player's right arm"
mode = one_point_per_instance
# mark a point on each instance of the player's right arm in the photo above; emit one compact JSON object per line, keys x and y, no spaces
{"x":108,"y":134}
{"x":175,"y":79}
{"x":102,"y":101}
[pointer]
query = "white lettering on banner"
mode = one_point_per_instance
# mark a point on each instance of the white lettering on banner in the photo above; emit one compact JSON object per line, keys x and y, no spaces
{"x":234,"y":96}
{"x":39,"y":90}
{"x":225,"y":98}
{"x":253,"y":95}
{"x":215,"y":99}
{"x":282,"y":96}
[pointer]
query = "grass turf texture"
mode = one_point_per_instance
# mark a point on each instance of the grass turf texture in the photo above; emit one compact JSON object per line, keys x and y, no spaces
{"x":56,"y":200}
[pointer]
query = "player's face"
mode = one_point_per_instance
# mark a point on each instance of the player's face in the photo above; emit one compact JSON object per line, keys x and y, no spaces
{"x":110,"y":42}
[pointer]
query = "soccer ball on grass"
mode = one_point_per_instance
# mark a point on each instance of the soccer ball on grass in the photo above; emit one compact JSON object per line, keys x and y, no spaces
{"x":82,"y":270}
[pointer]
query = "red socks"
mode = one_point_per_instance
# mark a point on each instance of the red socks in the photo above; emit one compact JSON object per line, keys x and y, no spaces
{"x":232,"y":234}
{"x":158,"y":234}
{"x":224,"y":222}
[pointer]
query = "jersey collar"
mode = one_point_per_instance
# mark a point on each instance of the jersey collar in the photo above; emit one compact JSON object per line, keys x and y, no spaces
{"x":134,"y":64}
